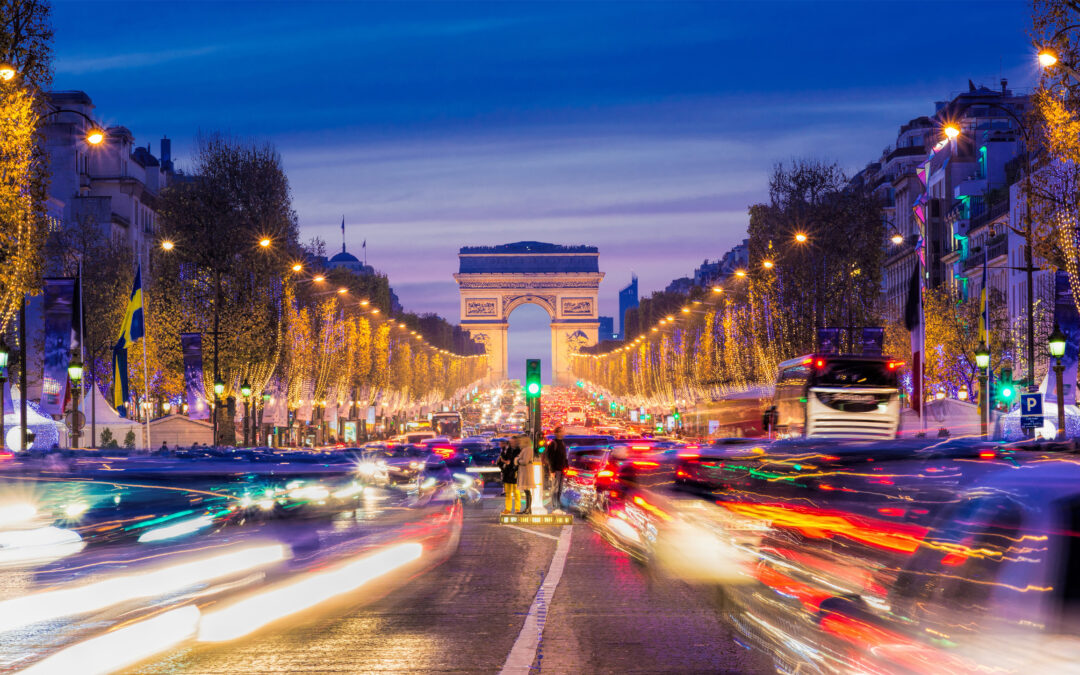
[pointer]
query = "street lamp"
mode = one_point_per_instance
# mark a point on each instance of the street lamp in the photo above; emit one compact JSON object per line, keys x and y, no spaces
{"x":219,"y":387}
{"x":264,"y":242}
{"x":7,"y":71}
{"x":982,"y":360}
{"x":245,"y":391}
{"x":767,"y":264}
{"x":4,"y":354}
{"x":75,"y":373}
{"x":800,"y":237}
{"x":1057,"y":350}
{"x":951,"y":131}
{"x":897,"y":238}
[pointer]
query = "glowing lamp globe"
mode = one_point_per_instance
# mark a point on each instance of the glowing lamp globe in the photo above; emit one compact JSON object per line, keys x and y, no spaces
{"x":982,"y":356}
{"x":1046,"y":59}
{"x":75,"y":369}
{"x":245,"y":389}
{"x":1057,"y":343}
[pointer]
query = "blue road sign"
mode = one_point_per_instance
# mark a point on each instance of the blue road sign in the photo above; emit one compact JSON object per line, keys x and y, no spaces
{"x":1031,"y":410}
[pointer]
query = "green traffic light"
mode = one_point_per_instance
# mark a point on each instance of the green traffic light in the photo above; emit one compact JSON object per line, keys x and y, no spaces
{"x":534,"y":388}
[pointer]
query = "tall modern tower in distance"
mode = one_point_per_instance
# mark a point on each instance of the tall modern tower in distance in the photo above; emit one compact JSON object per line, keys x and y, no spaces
{"x":627,"y":299}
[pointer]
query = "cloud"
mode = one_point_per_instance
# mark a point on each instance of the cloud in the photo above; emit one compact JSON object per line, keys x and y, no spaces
{"x":81,"y":65}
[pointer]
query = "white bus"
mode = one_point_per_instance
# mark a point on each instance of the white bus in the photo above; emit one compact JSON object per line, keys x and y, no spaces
{"x":836,"y":396}
{"x":446,"y":424}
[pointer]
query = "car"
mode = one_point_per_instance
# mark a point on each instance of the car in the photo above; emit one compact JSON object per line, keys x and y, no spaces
{"x":448,"y":466}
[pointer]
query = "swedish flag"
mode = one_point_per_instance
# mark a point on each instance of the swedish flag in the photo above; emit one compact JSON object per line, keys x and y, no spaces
{"x":120,"y":379}
{"x":132,"y":329}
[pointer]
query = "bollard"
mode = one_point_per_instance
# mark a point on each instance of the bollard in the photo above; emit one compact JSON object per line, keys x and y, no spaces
{"x":537,"y":492}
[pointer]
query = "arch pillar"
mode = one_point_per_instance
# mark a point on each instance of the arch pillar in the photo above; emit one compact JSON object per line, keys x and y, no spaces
{"x":567,"y":338}
{"x":494,"y":336}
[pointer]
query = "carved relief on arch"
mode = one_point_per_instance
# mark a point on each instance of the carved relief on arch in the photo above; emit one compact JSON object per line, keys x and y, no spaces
{"x":511,"y":302}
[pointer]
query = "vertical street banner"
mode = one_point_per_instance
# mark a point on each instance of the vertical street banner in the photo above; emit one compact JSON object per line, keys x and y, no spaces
{"x":303,"y":413}
{"x":58,"y":311}
{"x":194,"y":392}
{"x":1068,"y":320}
{"x":277,"y":408}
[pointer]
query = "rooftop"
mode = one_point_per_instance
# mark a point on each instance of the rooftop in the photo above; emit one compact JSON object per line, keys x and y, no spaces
{"x":526,"y":247}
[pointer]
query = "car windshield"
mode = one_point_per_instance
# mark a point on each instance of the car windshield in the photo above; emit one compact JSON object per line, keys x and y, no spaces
{"x":447,"y":426}
{"x":854,"y":373}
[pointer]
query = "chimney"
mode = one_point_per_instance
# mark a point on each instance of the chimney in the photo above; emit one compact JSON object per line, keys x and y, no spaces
{"x":166,"y":151}
{"x":1004,"y":87}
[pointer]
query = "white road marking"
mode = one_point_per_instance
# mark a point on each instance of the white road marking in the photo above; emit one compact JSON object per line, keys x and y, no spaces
{"x":539,"y":534}
{"x":523,"y":652}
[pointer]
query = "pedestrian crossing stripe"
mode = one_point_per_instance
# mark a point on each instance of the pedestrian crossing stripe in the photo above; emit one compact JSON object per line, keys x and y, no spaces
{"x":529,"y":519}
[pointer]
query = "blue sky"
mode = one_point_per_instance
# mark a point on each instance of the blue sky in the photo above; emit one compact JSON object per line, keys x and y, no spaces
{"x":643,"y":128}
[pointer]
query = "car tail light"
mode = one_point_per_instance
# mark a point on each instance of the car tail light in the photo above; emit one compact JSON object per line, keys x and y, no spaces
{"x":987,"y":454}
{"x":605,"y":473}
{"x":571,"y":472}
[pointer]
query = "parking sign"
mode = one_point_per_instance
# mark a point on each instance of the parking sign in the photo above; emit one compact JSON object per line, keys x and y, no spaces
{"x":1031,"y":410}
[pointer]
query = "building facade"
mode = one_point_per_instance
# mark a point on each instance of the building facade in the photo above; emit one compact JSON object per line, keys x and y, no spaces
{"x":628,"y":299}
{"x":114,"y":186}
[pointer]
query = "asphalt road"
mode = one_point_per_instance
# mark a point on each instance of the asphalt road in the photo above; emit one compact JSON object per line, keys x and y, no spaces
{"x":605,"y":614}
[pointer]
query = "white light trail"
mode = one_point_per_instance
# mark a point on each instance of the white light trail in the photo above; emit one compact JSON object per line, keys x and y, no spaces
{"x":257,"y":611}
{"x":184,"y":527}
{"x":123,"y":647}
{"x":52,"y":605}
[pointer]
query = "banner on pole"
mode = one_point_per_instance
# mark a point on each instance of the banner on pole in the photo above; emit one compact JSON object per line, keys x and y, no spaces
{"x":58,"y":312}
{"x":194,"y":392}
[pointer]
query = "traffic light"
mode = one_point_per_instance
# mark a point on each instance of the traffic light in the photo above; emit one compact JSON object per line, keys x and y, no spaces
{"x":1006,"y":388}
{"x":532,"y":378}
{"x":532,"y":398}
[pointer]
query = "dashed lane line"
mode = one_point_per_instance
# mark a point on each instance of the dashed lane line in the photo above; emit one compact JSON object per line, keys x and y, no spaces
{"x":525,"y":647}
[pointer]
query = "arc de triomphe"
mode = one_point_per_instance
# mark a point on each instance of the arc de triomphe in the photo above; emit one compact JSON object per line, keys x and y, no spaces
{"x":564,"y":280}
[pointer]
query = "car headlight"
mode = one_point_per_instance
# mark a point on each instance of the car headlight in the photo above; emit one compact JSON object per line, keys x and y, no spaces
{"x":414,"y":465}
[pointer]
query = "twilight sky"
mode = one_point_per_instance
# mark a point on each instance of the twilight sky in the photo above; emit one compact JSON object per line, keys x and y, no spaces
{"x":643,"y":128}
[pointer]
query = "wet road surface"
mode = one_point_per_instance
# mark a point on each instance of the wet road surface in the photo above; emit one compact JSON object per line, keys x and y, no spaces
{"x":607,"y":614}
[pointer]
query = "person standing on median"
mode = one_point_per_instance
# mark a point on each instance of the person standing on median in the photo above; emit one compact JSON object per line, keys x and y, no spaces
{"x":557,"y":463}
{"x":508,"y":465}
{"x":526,"y":479}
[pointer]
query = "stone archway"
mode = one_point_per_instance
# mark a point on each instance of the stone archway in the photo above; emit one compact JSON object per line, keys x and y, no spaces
{"x":563,"y":280}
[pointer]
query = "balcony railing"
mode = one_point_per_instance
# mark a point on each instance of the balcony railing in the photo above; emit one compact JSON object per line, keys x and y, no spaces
{"x":998,"y":246}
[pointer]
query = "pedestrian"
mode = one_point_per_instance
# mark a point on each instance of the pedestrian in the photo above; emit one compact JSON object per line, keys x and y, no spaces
{"x":557,"y":463}
{"x":164,"y":449}
{"x":527,"y":463}
{"x":508,"y":465}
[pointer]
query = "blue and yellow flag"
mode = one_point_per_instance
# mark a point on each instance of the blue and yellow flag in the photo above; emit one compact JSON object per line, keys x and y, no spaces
{"x":132,"y":329}
{"x":120,"y":379}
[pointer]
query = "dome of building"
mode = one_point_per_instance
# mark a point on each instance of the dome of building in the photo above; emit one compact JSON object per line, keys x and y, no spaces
{"x":344,"y":257}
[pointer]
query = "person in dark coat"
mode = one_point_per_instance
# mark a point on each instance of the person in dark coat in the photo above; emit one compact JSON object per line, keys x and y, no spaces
{"x":557,"y":463}
{"x":508,"y":465}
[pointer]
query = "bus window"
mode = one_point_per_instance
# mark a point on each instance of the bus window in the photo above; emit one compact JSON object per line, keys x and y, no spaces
{"x":854,"y":373}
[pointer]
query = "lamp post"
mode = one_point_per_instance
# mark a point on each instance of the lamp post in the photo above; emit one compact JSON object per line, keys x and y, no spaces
{"x":4,"y":354}
{"x":75,"y":373}
{"x":262,"y":411}
{"x":982,"y":360}
{"x":219,"y":388}
{"x":1057,"y":350}
{"x":245,"y":391}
